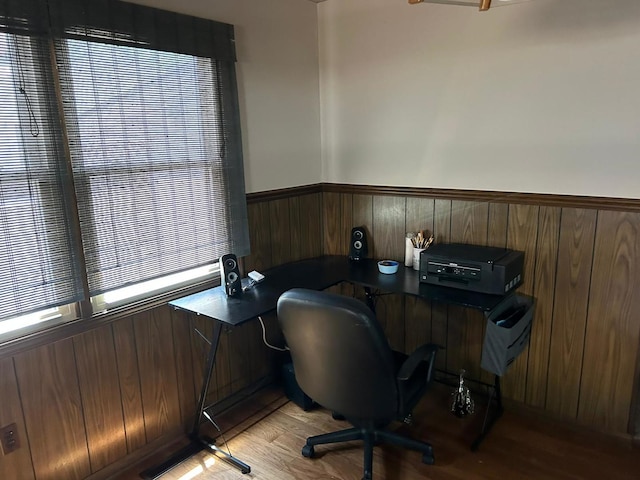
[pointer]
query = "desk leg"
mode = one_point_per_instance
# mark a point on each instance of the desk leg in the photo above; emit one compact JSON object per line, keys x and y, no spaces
{"x":199,"y":443}
{"x":206,"y":378}
{"x":489,"y":421}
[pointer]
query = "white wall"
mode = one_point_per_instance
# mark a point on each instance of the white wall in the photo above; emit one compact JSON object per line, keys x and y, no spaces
{"x":277,"y":48}
{"x":542,"y":96}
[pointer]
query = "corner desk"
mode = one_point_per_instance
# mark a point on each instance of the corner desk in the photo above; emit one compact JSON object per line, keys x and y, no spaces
{"x":318,"y":274}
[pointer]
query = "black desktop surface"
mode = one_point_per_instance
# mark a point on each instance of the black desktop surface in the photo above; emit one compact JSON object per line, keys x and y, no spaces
{"x":317,"y":274}
{"x":407,"y":281}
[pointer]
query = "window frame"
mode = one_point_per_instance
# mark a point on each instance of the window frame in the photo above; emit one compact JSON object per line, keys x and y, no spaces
{"x":78,"y":313}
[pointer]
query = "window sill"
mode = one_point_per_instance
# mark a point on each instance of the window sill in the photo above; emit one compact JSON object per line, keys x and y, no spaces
{"x":76,"y":327}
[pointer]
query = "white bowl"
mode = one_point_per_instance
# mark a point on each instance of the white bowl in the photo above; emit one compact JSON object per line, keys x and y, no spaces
{"x":388,"y":266}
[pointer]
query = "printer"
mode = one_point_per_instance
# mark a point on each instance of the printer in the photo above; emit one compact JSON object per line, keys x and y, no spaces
{"x":476,"y":268}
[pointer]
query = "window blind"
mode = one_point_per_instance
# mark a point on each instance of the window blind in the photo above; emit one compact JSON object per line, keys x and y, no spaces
{"x":133,"y":139}
{"x":39,"y":267}
{"x":154,"y":139}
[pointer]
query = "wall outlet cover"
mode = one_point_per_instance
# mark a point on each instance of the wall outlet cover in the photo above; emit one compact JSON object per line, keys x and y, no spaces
{"x":9,"y":438}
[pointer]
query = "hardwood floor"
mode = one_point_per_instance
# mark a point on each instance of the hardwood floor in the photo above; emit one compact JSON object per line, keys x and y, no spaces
{"x":521,"y":446}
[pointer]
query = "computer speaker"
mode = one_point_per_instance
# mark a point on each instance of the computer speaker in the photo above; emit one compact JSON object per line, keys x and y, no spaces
{"x":230,"y":273}
{"x":358,"y":248}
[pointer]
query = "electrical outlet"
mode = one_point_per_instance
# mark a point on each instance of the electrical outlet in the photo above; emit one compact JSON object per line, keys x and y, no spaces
{"x":9,"y":438}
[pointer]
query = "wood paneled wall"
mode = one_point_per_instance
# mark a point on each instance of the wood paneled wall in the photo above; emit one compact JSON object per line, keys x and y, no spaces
{"x":89,"y":402}
{"x":581,"y":264}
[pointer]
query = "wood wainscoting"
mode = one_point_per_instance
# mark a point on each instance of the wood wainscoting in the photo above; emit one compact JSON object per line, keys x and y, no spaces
{"x":91,"y":400}
{"x":85,"y":403}
{"x":582,"y":264}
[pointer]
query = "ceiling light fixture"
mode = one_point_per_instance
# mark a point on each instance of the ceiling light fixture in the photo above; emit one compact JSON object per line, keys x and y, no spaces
{"x":483,"y":5}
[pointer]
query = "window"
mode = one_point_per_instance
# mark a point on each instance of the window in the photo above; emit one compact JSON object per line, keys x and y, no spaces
{"x":146,"y":159}
{"x":122,"y":174}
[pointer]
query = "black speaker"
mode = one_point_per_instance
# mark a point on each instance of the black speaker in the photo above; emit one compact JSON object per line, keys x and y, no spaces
{"x":230,"y":273}
{"x":358,"y":248}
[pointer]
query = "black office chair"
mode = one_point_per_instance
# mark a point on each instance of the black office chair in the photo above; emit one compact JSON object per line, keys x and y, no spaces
{"x":343,"y":361}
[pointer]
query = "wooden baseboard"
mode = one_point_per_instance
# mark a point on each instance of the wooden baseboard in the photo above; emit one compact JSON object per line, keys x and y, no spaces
{"x":167,"y":442}
{"x":231,"y":414}
{"x":548,"y":417}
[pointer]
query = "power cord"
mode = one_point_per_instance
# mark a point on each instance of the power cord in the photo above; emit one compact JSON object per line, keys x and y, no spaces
{"x":264,"y":338}
{"x":250,"y":285}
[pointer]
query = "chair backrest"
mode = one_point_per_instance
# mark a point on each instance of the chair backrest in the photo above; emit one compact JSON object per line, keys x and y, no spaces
{"x":341,"y":356}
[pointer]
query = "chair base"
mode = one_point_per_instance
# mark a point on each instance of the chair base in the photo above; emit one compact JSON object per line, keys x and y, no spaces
{"x":371,"y":437}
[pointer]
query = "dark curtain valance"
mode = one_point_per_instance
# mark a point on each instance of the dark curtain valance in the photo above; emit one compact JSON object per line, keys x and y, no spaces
{"x":120,"y":23}
{"x":112,"y":21}
{"x":24,"y":17}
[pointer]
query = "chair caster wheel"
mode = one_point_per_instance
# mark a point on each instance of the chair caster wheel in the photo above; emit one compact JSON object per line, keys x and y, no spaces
{"x":337,"y":416}
{"x":428,"y":459}
{"x":307,"y":451}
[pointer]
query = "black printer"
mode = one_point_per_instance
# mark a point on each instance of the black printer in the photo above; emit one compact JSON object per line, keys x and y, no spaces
{"x":491,"y":270}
